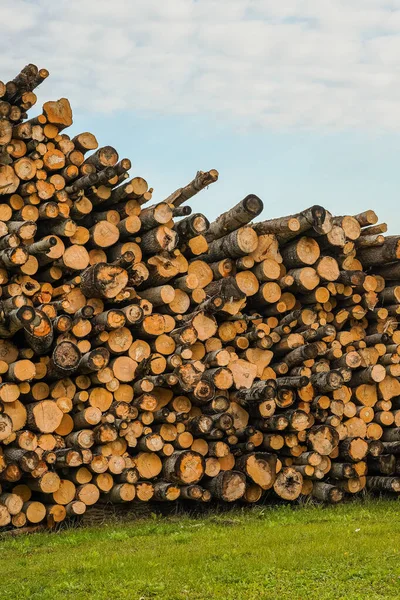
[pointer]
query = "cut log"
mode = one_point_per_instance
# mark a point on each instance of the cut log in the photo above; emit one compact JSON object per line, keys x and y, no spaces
{"x":184,"y":467}
{"x":288,"y":484}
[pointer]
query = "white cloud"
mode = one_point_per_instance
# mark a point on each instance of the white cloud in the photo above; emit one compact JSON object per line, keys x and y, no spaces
{"x":282,"y":65}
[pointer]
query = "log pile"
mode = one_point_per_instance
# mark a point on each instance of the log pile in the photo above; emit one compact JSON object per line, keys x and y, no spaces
{"x":147,"y":354}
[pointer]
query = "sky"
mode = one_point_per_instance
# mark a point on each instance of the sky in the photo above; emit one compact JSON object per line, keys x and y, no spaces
{"x":296,"y":101}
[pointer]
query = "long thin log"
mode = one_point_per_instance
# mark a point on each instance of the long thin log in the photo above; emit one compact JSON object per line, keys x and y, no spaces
{"x":201,"y":181}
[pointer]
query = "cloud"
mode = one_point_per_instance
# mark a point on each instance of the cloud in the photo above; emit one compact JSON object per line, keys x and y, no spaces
{"x":297,"y":64}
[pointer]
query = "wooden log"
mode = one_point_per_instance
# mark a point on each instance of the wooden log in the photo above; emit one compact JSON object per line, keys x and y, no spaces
{"x":192,"y":226}
{"x":241,"y":214}
{"x":103,"y":281}
{"x":64,"y":361}
{"x":388,"y":252}
{"x":259,"y":467}
{"x":12,"y":502}
{"x":326,"y":492}
{"x":44,"y":416}
{"x":201,"y":181}
{"x":27,"y":460}
{"x":184,"y":467}
{"x":383,"y":484}
{"x":227,"y":486}
{"x":286,"y":228}
{"x":164,"y":491}
{"x":353,"y":449}
{"x":305,"y":251}
{"x":288,"y":483}
{"x":323,"y":439}
{"x":35,"y":511}
{"x":159,"y":239}
{"x":238,"y":243}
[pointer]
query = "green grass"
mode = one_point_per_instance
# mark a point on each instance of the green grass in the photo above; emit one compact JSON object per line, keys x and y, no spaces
{"x":347,"y":552}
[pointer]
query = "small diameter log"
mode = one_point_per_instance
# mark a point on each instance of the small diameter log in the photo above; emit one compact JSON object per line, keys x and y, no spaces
{"x":159,"y":296}
{"x":326,"y":492}
{"x":164,"y":491}
{"x":12,"y":502}
{"x":201,"y":181}
{"x":27,"y":460}
{"x":191,"y":492}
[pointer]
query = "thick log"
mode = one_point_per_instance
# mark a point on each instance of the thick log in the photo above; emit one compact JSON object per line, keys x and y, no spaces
{"x":287,"y":228}
{"x":241,"y":214}
{"x":388,"y":252}
{"x":288,"y":484}
{"x":259,"y":467}
{"x":238,"y":243}
{"x":184,"y":467}
{"x":323,"y":439}
{"x":103,"y":281}
{"x":227,"y":486}
{"x":44,"y":416}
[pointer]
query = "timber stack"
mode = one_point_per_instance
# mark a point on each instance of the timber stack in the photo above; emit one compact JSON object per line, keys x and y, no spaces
{"x":148,"y":354}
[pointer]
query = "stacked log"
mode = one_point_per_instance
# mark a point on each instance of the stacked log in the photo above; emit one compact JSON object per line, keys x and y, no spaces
{"x":148,"y":354}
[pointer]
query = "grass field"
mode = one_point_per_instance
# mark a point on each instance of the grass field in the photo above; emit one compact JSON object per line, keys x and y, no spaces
{"x":346,"y":552}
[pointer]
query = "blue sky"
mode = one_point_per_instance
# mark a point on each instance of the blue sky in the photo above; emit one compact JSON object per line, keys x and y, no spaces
{"x":346,"y":172}
{"x":296,"y":101}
